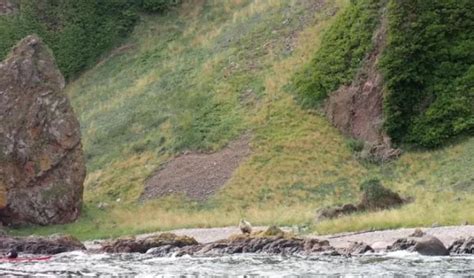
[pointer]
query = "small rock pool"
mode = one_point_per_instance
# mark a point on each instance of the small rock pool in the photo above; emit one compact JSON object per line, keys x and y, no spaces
{"x":398,"y":264}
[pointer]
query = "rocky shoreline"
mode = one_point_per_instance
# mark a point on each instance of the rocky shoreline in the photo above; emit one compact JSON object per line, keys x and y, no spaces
{"x":38,"y":245}
{"x":270,"y":241}
{"x":456,"y":240}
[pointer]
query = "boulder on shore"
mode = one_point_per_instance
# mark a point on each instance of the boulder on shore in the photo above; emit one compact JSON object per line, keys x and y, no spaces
{"x":425,"y":245}
{"x":462,"y":246}
{"x":42,"y":168}
{"x":41,"y":245}
{"x":133,"y":245}
{"x":358,"y":248}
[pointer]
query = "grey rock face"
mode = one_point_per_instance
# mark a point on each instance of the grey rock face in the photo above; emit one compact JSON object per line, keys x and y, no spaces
{"x":42,"y":168}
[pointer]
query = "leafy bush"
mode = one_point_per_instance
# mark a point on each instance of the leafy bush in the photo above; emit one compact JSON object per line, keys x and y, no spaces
{"x":355,"y":145}
{"x":78,"y":32}
{"x":429,"y":72}
{"x":155,"y":6}
{"x":427,"y":66}
{"x":8,"y":34}
{"x":343,"y":48}
{"x":376,"y":196}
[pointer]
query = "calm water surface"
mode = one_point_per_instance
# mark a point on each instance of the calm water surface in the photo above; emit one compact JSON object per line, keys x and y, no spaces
{"x":398,"y":264}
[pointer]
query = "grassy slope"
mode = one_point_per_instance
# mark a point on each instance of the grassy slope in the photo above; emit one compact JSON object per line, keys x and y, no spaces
{"x":198,"y":78}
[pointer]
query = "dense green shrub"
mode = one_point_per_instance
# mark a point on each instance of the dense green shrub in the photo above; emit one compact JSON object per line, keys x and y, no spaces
{"x":78,"y":32}
{"x":8,"y":34}
{"x":343,"y":48}
{"x":355,"y":145}
{"x":428,"y":67}
{"x":154,"y":6}
{"x":376,"y":196}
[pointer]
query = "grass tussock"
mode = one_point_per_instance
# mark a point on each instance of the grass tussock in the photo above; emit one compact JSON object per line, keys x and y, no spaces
{"x":428,"y":210}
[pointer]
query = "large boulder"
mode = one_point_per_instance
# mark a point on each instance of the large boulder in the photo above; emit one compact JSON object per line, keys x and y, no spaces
{"x":422,"y":243}
{"x":462,"y":246}
{"x":41,"y":245}
{"x":430,"y":246}
{"x":132,"y":245}
{"x":42,"y":168}
{"x":358,"y":248}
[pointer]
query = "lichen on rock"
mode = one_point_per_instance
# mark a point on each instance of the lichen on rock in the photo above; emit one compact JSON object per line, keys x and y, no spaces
{"x":42,"y":168}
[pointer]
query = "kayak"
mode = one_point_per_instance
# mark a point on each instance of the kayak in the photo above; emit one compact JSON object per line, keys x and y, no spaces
{"x":23,"y":260}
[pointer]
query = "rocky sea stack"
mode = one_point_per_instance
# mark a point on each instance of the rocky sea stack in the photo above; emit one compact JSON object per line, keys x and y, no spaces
{"x":42,"y":167}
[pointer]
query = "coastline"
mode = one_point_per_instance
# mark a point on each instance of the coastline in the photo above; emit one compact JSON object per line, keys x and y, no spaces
{"x":378,"y":240}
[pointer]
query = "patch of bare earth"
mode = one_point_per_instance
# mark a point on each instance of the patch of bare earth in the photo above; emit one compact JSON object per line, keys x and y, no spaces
{"x":197,"y":175}
{"x":357,"y":109}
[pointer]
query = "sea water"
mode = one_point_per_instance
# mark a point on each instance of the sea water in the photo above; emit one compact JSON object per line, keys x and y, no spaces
{"x":397,"y":264}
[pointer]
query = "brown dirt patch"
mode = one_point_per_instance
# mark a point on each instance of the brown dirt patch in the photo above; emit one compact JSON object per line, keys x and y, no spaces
{"x":357,"y":110}
{"x":197,"y":175}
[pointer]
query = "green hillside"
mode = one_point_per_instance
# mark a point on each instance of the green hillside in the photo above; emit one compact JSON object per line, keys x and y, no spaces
{"x":427,"y":66}
{"x":207,"y":72}
{"x":78,"y":32}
